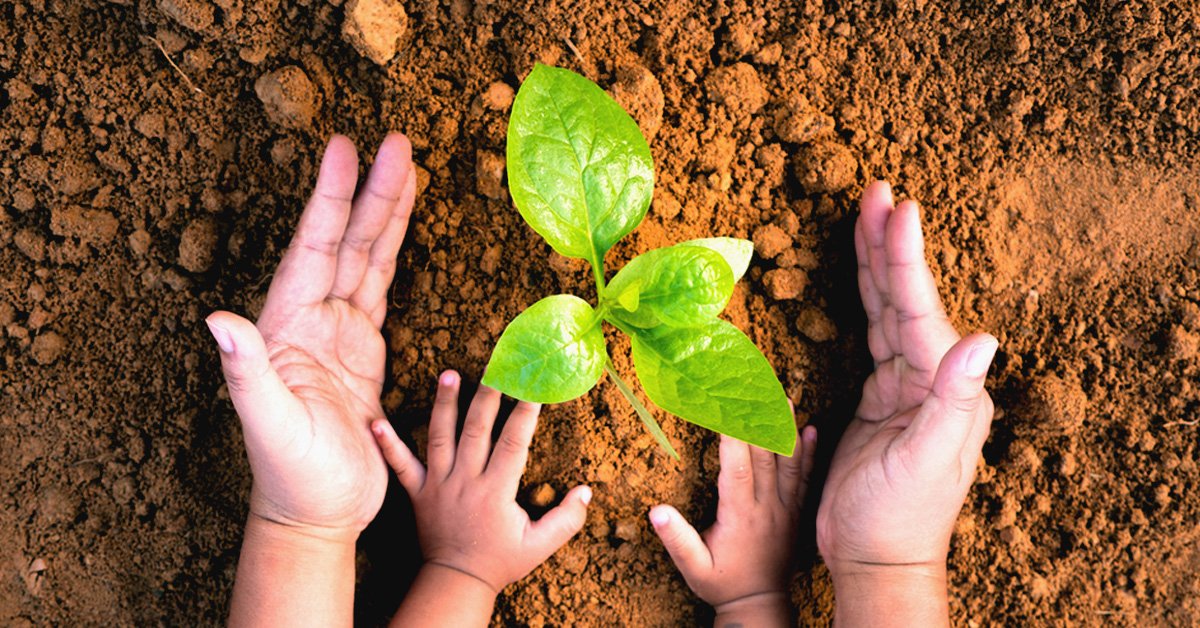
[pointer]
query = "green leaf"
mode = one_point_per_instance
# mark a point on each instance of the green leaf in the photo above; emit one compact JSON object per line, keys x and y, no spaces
{"x":552,"y":352}
{"x":715,"y":377}
{"x":631,"y":297}
{"x":643,"y":412}
{"x":579,"y":170}
{"x":736,"y":251}
{"x":678,"y":286}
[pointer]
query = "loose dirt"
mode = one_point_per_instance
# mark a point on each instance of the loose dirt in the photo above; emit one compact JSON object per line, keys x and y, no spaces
{"x":157,"y":153}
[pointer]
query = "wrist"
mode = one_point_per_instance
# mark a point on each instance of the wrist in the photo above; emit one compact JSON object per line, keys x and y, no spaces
{"x":460,"y":579}
{"x":299,"y":537}
{"x":289,"y":575}
{"x":890,"y":594}
{"x":757,"y":609}
{"x":932,"y":572}
{"x":444,"y":595}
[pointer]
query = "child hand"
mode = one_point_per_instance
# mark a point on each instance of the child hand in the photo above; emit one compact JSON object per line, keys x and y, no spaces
{"x":906,"y":461}
{"x":468,"y":520}
{"x":742,"y":565}
{"x":307,"y":377}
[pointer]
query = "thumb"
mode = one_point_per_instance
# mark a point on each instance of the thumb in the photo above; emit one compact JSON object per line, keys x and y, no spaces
{"x":260,"y":397}
{"x":563,"y":521}
{"x":683,"y":543}
{"x":948,"y":416}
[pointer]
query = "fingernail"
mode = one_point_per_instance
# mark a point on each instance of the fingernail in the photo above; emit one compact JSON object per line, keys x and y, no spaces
{"x":809,"y":434}
{"x":585,"y":495}
{"x":659,"y":517}
{"x":980,"y":358}
{"x":448,"y":378}
{"x":221,"y":335}
{"x":377,"y":428}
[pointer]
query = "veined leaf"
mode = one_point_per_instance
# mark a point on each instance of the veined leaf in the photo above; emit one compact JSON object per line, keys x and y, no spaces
{"x":552,"y":352}
{"x":736,"y":251}
{"x":679,"y":286}
{"x":714,"y":376}
{"x":579,"y":169}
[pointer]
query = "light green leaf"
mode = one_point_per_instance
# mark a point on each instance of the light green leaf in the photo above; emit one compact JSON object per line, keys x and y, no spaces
{"x":552,"y":352}
{"x":631,"y":297}
{"x":579,"y":170}
{"x":736,"y":251}
{"x":678,"y":286}
{"x":715,"y":377}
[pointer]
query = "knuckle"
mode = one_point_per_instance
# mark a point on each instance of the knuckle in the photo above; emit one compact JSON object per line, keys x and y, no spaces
{"x":741,"y":473}
{"x":473,"y":430}
{"x":511,"y":444}
{"x":440,"y":443}
{"x":964,"y":405}
{"x":356,"y":242}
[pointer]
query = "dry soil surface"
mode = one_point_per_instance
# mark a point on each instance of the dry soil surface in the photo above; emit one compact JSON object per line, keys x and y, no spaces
{"x":156,"y":154}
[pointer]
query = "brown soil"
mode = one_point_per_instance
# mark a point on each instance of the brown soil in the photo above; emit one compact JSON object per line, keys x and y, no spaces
{"x":1050,"y":147}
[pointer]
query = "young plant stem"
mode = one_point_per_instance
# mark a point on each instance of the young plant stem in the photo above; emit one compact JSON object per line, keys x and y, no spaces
{"x":642,"y":411}
{"x":598,"y":273}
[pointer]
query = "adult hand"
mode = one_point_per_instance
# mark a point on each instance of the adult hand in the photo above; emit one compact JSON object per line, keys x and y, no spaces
{"x":743,"y":565}
{"x":306,"y":378}
{"x":908,"y":457}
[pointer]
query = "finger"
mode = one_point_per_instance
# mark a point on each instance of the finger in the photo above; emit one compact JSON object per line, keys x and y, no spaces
{"x":973,"y":448}
{"x":874,"y":211}
{"x":307,"y":270}
{"x":765,"y":474}
{"x":409,"y":471}
{"x":262,"y":400}
{"x":735,"y":482}
{"x":944,"y":421}
{"x":381,"y":265}
{"x":795,"y":470}
{"x":872,"y":300}
{"x":922,"y":328}
{"x":373,"y":210}
{"x":683,"y":543}
{"x":442,"y":423}
{"x":512,"y":448}
{"x":476,"y":440}
{"x":557,"y":527}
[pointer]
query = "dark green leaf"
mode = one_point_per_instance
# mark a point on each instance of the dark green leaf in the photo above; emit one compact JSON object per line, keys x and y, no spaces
{"x":579,"y":170}
{"x":715,"y":377}
{"x":550,"y":353}
{"x":678,"y":286}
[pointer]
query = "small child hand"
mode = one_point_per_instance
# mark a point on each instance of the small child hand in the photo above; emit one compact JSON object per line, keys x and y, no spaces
{"x":468,"y":520}
{"x":743,"y":564}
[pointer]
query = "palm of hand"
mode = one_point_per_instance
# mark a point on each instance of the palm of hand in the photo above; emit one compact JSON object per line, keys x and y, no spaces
{"x":907,"y":459}
{"x":331,"y":358}
{"x":307,"y":378}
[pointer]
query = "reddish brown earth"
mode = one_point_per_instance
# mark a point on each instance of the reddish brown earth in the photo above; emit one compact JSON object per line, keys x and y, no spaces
{"x":1053,"y":148}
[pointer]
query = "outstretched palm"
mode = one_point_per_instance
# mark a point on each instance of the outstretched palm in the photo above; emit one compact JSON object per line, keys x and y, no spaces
{"x":306,"y":380}
{"x":908,"y":457}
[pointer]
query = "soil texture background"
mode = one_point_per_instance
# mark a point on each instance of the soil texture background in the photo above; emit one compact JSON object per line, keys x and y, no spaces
{"x":156,"y":155}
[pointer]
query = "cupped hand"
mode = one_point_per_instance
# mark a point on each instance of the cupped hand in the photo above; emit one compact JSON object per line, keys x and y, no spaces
{"x":468,"y":519}
{"x":908,"y":457}
{"x":306,"y":378}
{"x":747,"y":557}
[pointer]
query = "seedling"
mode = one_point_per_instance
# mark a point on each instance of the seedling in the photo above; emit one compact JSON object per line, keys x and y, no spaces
{"x":581,"y":174}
